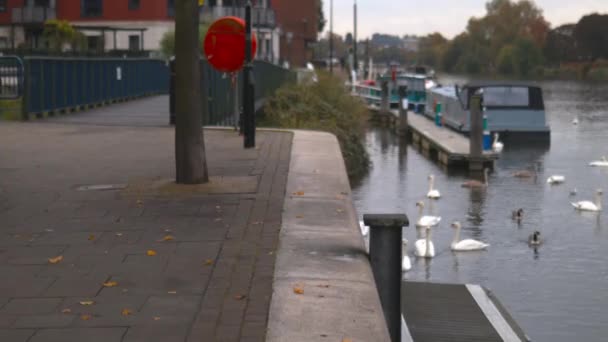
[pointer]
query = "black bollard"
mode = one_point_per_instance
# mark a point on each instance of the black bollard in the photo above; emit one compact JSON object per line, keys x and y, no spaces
{"x":385,"y":256}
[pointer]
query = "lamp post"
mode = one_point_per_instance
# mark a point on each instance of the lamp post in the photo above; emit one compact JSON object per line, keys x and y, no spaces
{"x":355,"y":59}
{"x":248,"y":86}
{"x":331,"y":36}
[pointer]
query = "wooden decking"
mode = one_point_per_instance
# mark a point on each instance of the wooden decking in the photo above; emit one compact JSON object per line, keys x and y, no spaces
{"x":456,"y":313}
{"x":449,"y":146}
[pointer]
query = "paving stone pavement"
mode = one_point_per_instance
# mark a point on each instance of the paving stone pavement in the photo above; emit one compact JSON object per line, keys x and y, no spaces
{"x":211,"y":280}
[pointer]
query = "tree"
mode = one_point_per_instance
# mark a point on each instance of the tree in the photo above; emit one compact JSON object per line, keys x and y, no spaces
{"x":591,"y":33}
{"x":561,"y":46}
{"x":167,"y":42}
{"x":505,"y":62}
{"x":190,"y":161}
{"x":526,"y":56}
{"x":431,"y":49}
{"x":322,"y":21}
{"x":60,"y":33}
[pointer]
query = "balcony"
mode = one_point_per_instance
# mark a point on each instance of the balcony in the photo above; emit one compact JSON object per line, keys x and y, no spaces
{"x":32,"y":14}
{"x":260,"y":17}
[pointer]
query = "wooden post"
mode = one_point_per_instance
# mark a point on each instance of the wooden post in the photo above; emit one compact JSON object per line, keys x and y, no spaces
{"x":384,"y":105}
{"x":403,"y":126}
{"x":476,"y":134}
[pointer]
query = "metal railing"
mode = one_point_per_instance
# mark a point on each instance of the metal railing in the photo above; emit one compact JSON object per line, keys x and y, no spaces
{"x":56,"y":84}
{"x":32,"y":14}
{"x":260,"y":16}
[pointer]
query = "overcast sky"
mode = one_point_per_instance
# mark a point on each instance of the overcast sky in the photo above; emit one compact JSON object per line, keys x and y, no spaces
{"x":449,"y":17}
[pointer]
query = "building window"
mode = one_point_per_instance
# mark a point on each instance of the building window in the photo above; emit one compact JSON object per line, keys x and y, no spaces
{"x":171,"y":8}
{"x":2,"y":5}
{"x":95,"y":43}
{"x":92,"y":8}
{"x":134,"y":42}
{"x":133,"y":5}
{"x":41,"y":3}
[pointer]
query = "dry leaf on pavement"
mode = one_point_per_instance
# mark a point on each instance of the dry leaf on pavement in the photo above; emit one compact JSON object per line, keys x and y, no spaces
{"x":56,"y":259}
{"x":299,"y":193}
{"x":299,"y":216}
{"x":168,"y":238}
{"x":66,"y":311}
{"x":87,"y":302}
{"x":85,"y":317}
{"x":172,"y":292}
{"x":298,"y":290}
{"x":126,"y":312}
{"x":157,"y":318}
{"x":118,"y":234}
{"x":208,"y":262}
{"x":110,"y":284}
{"x":151,"y":252}
{"x":91,"y":237}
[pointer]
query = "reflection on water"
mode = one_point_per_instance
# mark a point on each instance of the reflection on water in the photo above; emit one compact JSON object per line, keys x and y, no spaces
{"x":556,"y":291}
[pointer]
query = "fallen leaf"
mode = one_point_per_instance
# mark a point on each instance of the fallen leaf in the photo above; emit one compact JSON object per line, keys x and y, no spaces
{"x":218,"y":219}
{"x":85,"y":317}
{"x":168,"y":238}
{"x":110,"y":284}
{"x":208,"y":262}
{"x":87,"y":302}
{"x":126,"y":312}
{"x":218,"y":207}
{"x":299,"y":216}
{"x":56,"y":259}
{"x":118,"y":234}
{"x":299,"y":193}
{"x":139,"y":202}
{"x":239,"y":297}
{"x":347,"y":340}
{"x":298,"y":290}
{"x":66,"y":311}
{"x":151,"y":252}
{"x":172,"y":292}
{"x":339,"y":210}
{"x":156,"y":318}
{"x":91,"y":237}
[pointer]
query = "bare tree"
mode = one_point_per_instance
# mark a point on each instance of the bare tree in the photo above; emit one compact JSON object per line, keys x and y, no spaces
{"x":190,"y":161}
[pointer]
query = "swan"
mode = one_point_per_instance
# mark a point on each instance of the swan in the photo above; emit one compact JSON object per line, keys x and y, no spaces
{"x":588,"y":205}
{"x":556,"y":179}
{"x":497,"y":146}
{"x":602,"y":162}
{"x":475,"y":183}
{"x":526,"y":173}
{"x":364,"y":228}
{"x":534,"y":239}
{"x":425,"y":247}
{"x":433,"y":194}
{"x":426,"y":221}
{"x":467,"y":244}
{"x":406,"y":264}
{"x":518,"y":214}
{"x":575,"y":121}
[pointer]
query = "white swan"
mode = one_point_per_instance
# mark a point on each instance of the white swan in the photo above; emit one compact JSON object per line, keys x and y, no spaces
{"x":497,"y":146}
{"x":406,"y":264}
{"x":575,"y":121}
{"x":467,"y":244}
{"x":364,"y":228}
{"x":426,"y":220}
{"x":556,"y":179}
{"x":433,"y":193}
{"x":602,"y":162}
{"x":425,"y":247}
{"x":588,"y":205}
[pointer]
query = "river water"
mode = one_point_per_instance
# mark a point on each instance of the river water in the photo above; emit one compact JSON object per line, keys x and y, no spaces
{"x":558,"y":292}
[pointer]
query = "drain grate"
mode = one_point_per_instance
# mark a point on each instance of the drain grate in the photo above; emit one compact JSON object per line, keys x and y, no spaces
{"x":101,"y":187}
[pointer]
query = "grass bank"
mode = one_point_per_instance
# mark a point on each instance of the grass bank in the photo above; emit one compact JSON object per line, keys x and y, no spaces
{"x":324,"y":106}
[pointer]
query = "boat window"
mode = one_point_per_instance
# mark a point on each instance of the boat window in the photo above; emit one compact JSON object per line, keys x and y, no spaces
{"x":506,"y":97}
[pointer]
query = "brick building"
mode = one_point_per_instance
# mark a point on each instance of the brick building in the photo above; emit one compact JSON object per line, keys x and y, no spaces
{"x":298,"y":22}
{"x":122,"y":24}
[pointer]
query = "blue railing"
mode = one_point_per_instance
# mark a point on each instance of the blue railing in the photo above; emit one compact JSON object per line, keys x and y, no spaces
{"x":58,"y":84}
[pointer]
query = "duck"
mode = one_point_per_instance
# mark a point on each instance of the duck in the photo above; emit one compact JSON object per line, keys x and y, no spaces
{"x":526,"y":173}
{"x":475,"y":183}
{"x":518,"y":214}
{"x":575,"y":121}
{"x":433,"y":193}
{"x":497,"y":146}
{"x":588,"y":205}
{"x":534,"y":239}
{"x":573,"y":192}
{"x":556,"y":179}
{"x":364,"y":228}
{"x":425,"y":247}
{"x":406,"y":264}
{"x":425,"y":220}
{"x":601,"y":162}
{"x":466,"y":244}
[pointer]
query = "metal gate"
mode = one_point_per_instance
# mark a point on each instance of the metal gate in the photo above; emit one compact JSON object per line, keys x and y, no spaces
{"x":11,"y":77}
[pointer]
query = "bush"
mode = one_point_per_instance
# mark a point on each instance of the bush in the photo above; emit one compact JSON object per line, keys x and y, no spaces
{"x":167,"y":42}
{"x":326,"y":106}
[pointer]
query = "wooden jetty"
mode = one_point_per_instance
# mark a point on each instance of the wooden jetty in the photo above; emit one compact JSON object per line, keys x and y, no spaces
{"x":455,"y":313}
{"x":442,"y":144}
